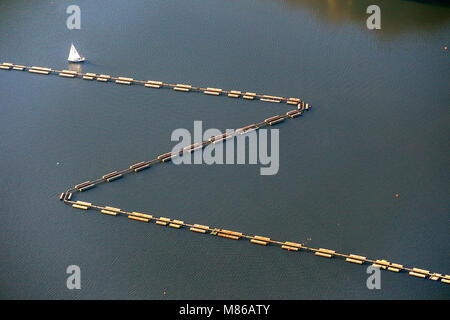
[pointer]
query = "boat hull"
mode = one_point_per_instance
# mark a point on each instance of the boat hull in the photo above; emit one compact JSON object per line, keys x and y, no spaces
{"x":76,"y":61}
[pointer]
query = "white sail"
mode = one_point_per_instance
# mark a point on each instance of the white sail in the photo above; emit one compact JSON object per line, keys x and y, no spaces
{"x":74,"y":56}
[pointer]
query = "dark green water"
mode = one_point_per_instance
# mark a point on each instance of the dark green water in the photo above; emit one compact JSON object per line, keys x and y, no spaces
{"x":380,"y":126}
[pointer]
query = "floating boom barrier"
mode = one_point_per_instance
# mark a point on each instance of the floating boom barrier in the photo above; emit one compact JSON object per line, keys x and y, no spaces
{"x":66,"y":197}
{"x":152,"y":84}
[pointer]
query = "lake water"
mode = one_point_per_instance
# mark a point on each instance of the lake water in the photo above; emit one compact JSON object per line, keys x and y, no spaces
{"x":379,"y":127}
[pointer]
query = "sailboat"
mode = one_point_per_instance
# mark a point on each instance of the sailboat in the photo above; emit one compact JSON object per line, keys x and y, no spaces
{"x":74,"y":56}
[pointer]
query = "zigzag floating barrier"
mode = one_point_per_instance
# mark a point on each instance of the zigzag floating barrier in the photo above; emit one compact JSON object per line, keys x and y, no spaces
{"x":152,"y":84}
{"x":260,"y":240}
{"x":161,"y":159}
